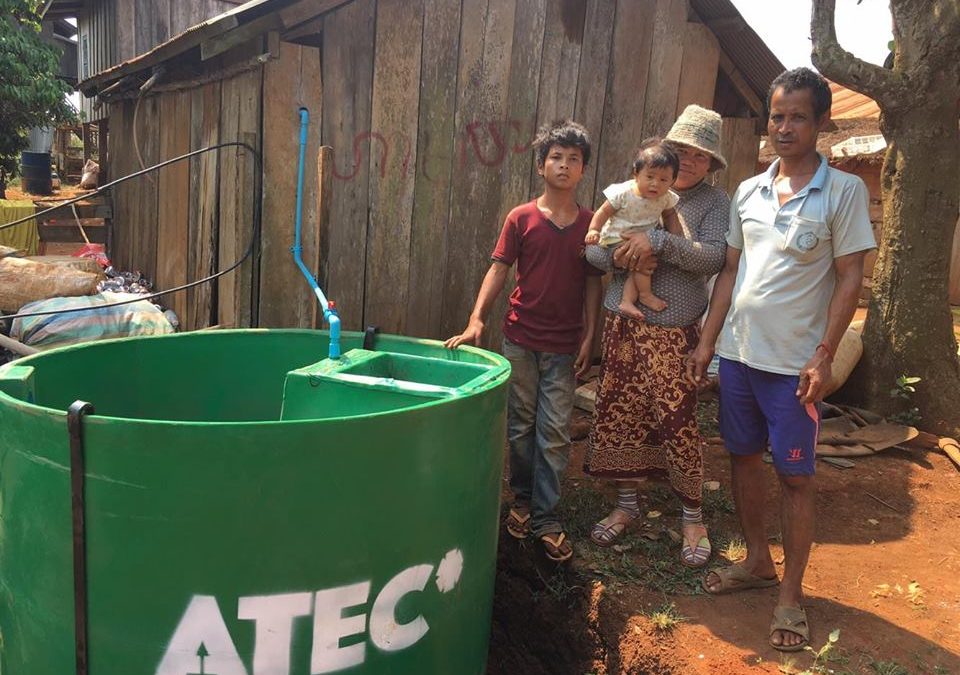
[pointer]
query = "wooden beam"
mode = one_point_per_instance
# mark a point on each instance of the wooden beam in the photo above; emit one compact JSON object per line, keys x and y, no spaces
{"x":237,"y":36}
{"x":741,"y":85}
{"x":273,"y":44}
{"x":305,"y":10}
{"x":727,"y":24}
{"x":324,"y":202}
{"x":60,"y":231}
{"x":305,"y":29}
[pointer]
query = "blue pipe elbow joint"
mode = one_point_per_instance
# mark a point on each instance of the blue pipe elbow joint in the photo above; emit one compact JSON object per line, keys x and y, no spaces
{"x":333,"y":320}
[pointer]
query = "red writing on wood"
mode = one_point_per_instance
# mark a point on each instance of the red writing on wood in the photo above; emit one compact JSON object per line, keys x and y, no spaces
{"x":490,"y":143}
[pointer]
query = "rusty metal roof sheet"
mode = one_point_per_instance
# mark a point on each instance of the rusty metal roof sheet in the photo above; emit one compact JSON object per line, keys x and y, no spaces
{"x":850,"y":104}
{"x":740,"y":42}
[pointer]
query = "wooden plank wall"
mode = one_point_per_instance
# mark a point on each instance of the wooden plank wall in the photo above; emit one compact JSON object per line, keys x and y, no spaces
{"x":430,"y":108}
{"x":433,"y":149}
{"x":196,"y":216}
{"x":289,"y":82}
{"x":143,"y":24}
{"x":741,"y":144}
{"x":955,"y":268}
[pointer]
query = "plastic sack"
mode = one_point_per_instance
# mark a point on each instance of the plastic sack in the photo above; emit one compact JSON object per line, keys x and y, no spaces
{"x":94,"y":323}
{"x":25,"y":281}
{"x":95,"y":252}
{"x":90,"y":176}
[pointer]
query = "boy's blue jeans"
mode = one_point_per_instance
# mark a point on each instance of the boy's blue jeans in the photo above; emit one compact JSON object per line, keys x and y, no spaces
{"x":538,"y":415}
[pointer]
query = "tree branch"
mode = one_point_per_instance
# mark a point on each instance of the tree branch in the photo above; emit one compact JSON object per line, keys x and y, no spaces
{"x":841,"y":66}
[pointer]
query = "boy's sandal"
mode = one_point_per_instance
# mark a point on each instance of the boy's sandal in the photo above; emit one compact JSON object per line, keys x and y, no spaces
{"x":696,"y":556}
{"x":735,"y":578}
{"x":557,"y":547}
{"x":790,"y":620}
{"x":607,"y":534}
{"x":518,"y":523}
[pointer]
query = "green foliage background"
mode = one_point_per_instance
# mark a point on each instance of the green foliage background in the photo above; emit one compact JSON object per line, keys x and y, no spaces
{"x":31,"y":94}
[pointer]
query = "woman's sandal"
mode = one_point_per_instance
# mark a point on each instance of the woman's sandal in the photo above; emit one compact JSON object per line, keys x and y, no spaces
{"x":734,"y":578}
{"x":606,"y":534}
{"x":557,"y":546}
{"x":790,"y":620}
{"x":518,"y":523}
{"x":696,"y":556}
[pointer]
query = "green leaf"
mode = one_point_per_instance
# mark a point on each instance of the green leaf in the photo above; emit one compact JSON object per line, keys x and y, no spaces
{"x":911,"y":380}
{"x":834,"y":636}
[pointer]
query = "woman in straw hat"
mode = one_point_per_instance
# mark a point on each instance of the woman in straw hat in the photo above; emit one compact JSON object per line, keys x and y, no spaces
{"x":645,"y":421}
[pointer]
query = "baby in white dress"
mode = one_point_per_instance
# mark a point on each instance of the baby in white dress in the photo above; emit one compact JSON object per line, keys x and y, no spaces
{"x":637,"y":206}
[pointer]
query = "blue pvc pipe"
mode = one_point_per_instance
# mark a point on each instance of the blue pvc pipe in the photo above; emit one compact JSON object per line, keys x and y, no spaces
{"x":329,"y":315}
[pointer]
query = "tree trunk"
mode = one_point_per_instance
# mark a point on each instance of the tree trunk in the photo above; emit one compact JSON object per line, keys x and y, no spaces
{"x":909,"y":329}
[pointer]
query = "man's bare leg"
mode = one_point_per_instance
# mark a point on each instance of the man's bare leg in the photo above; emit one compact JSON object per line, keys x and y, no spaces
{"x":749,"y":477}
{"x":797,"y":516}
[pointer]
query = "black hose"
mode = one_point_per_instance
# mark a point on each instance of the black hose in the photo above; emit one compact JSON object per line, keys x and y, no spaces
{"x":254,"y":237}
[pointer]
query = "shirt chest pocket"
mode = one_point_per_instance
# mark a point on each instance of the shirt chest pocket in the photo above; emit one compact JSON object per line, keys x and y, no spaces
{"x":806,"y":239}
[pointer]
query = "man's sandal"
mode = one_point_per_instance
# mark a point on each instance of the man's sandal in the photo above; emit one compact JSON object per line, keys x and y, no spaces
{"x":607,"y":534}
{"x":557,"y":547}
{"x":735,"y":578}
{"x":696,"y":556}
{"x":790,"y":620}
{"x":518,"y":523}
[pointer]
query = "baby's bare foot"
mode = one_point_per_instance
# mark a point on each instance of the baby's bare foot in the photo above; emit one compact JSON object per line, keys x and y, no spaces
{"x":630,"y":310}
{"x":652,"y":301}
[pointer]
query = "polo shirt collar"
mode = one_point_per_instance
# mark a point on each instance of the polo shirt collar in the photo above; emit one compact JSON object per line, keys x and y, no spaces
{"x":816,"y":183}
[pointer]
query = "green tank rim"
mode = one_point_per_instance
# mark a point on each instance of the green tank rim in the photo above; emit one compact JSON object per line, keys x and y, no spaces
{"x":499,"y":365}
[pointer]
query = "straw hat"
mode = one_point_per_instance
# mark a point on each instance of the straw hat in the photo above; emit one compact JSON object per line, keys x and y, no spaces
{"x":699,"y":128}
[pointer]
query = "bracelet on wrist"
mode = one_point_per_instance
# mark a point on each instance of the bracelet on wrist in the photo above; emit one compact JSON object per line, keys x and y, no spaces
{"x":824,"y":347}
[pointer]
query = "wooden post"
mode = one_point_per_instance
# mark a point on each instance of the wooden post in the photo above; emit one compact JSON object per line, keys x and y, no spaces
{"x":87,"y":141}
{"x":955,"y":268}
{"x":324,"y":197}
{"x":103,"y":130}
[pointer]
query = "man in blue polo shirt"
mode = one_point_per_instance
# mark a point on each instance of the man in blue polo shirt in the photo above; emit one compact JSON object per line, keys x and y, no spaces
{"x":795,"y":250}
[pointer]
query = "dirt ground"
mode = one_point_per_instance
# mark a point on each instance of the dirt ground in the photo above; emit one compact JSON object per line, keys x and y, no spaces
{"x":884,"y":571}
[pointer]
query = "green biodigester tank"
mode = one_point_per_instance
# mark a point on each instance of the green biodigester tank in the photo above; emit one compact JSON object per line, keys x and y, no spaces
{"x":251,"y":508}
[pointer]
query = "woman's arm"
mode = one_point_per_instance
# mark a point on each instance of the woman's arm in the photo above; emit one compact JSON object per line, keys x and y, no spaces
{"x":600,"y":257}
{"x":701,"y":252}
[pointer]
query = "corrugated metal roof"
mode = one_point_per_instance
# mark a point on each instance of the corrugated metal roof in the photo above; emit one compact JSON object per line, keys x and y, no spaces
{"x":62,"y":8}
{"x":850,"y":104}
{"x":740,"y":42}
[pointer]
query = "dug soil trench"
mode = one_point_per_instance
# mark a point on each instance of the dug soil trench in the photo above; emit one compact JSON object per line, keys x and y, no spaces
{"x":883,"y":571}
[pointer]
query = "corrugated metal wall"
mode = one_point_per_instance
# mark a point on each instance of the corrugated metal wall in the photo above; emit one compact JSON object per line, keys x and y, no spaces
{"x":97,"y":48}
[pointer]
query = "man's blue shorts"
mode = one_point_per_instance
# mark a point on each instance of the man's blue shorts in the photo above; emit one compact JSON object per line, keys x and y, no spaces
{"x":757,"y":407}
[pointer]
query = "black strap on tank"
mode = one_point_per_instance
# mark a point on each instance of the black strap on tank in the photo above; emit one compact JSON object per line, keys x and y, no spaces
{"x":75,"y":415}
{"x":370,"y":338}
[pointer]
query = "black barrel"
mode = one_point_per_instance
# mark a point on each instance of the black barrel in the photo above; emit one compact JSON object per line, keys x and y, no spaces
{"x":35,"y":173}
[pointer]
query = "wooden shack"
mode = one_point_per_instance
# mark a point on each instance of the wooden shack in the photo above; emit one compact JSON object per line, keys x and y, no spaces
{"x":429,"y":107}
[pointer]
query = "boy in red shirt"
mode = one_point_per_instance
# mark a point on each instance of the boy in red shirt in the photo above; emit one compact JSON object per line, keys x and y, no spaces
{"x":548,"y":330}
